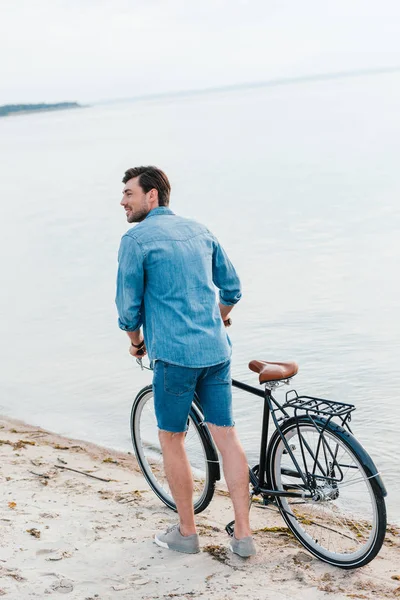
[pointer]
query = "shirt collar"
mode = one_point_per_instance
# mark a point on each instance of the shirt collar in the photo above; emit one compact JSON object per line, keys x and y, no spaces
{"x":160,"y":210}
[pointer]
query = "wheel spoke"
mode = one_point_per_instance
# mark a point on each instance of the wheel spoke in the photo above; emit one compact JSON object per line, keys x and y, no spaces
{"x":340,"y":522}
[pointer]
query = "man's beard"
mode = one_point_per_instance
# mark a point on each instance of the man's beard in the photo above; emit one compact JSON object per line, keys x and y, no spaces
{"x":137,"y":216}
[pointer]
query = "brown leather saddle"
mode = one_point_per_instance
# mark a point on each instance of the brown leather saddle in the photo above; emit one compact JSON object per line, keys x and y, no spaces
{"x":273,"y":371}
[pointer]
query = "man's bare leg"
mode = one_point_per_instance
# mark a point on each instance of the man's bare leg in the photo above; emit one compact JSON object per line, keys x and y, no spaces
{"x":179,"y":476}
{"x":236,"y":473}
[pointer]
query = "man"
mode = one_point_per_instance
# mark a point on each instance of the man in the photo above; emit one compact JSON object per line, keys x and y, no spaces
{"x":167,"y":273}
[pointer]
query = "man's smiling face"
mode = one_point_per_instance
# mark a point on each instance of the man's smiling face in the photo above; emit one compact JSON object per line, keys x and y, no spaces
{"x":135,"y":201}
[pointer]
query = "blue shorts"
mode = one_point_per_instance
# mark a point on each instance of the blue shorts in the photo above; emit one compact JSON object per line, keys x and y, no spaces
{"x":174,"y":388}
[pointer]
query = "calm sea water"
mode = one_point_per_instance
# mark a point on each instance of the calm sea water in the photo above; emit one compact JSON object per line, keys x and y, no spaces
{"x":301,"y":185}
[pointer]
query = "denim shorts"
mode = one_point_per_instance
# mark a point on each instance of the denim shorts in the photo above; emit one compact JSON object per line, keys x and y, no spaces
{"x":174,"y":388}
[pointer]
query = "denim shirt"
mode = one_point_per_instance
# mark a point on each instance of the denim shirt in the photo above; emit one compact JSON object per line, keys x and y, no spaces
{"x":169,"y":269}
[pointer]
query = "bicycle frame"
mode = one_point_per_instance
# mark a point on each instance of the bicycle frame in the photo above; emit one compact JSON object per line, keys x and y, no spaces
{"x":260,"y":482}
{"x":320,"y":412}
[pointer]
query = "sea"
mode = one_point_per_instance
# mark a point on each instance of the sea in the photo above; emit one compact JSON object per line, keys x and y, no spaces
{"x":301,"y":184}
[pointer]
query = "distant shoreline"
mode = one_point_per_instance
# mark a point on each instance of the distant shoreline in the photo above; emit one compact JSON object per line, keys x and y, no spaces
{"x":17,"y":109}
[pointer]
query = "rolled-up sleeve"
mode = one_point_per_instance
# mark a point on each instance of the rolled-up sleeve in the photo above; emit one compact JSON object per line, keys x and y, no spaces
{"x":130,"y":284}
{"x":225,"y":277}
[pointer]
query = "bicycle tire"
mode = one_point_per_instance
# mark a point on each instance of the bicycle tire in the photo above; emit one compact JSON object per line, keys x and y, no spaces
{"x":204,"y":464}
{"x":322,"y":524}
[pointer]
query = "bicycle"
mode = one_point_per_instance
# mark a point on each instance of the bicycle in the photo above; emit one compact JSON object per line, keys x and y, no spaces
{"x":312,"y":468}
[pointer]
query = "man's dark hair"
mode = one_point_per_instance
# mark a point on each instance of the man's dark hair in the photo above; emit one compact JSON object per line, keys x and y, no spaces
{"x":149,"y":178}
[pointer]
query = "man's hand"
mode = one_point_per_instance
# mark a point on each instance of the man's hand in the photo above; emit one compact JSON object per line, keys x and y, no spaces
{"x":137,"y":352}
{"x":225,"y":311}
{"x":137,"y":348}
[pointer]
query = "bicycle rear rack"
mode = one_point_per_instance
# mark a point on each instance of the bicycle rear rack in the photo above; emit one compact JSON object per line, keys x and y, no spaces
{"x":312,"y":406}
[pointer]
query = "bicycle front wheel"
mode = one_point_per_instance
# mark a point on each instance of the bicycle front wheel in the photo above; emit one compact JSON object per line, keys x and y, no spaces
{"x":344,"y":521}
{"x":199,"y":447}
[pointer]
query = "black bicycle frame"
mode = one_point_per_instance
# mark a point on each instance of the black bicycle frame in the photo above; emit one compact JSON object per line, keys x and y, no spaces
{"x":261,"y":479}
{"x":319,"y":412}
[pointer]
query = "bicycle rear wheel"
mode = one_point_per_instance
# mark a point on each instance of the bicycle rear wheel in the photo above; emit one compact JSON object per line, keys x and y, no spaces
{"x":344,"y":522}
{"x":199,"y":447}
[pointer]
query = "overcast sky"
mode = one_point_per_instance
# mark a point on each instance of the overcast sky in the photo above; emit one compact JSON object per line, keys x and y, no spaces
{"x":89,"y":50}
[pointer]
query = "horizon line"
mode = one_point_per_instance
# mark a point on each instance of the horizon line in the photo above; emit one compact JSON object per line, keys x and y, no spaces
{"x":257,"y":84}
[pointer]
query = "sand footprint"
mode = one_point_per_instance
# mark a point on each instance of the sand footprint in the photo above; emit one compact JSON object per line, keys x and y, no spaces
{"x":62,"y":585}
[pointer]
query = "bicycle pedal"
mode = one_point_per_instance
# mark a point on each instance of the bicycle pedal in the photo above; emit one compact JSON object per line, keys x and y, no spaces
{"x":230,"y":528}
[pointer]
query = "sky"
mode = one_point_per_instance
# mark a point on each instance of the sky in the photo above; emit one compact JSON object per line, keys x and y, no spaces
{"x":96,"y":50}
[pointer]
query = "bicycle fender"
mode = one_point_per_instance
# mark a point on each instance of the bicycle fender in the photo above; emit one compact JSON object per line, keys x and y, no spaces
{"x":366,"y":460}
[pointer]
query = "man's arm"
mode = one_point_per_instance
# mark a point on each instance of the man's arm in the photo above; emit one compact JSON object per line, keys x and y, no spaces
{"x":130,"y":290}
{"x":226,"y":279}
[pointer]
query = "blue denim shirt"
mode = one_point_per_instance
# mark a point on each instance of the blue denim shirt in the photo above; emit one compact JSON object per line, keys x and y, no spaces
{"x":168,"y":270}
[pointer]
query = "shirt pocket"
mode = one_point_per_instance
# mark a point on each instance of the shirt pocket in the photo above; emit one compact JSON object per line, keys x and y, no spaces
{"x":179,"y":380}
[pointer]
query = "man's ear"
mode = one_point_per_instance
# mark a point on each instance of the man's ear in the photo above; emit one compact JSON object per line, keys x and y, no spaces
{"x":153,"y":197}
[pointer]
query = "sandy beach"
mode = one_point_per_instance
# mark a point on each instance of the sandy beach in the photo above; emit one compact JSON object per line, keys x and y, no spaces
{"x":79,"y":520}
